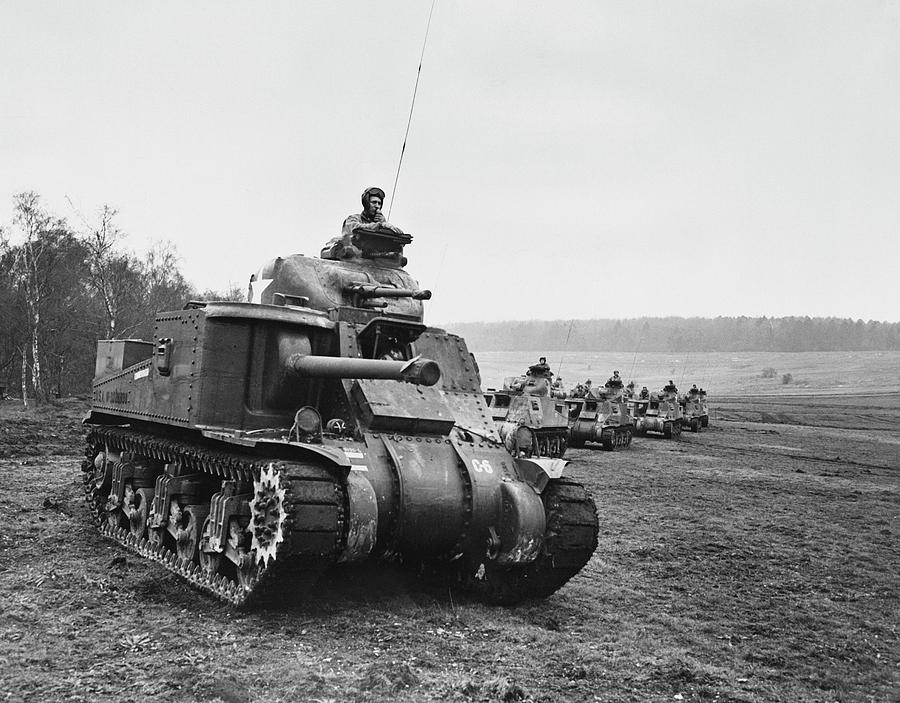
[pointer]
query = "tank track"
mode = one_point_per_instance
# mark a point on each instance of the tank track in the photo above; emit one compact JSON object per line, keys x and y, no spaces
{"x":569,"y":543}
{"x":298,"y":560}
{"x":619,"y":437}
{"x":672,"y":429}
{"x":694,"y":424}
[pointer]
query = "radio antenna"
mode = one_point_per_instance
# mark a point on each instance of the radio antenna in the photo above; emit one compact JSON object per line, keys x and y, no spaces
{"x":565,"y":346}
{"x":411,"y":107}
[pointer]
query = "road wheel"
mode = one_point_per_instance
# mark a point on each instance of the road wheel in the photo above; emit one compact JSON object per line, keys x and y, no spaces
{"x":189,"y":531}
{"x":140,"y":512}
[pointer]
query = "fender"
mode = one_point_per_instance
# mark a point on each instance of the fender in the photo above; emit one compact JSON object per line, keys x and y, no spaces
{"x":537,"y":473}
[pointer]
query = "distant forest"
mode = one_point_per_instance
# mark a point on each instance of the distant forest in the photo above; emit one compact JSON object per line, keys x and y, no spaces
{"x":679,"y":334}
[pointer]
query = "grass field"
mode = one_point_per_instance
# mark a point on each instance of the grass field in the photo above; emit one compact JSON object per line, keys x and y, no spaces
{"x":755,"y":561}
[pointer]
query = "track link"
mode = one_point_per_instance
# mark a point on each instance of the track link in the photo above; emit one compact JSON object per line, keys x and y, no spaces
{"x":307,"y":549}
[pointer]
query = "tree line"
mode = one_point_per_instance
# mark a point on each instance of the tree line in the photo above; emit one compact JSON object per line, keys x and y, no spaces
{"x":63,"y":287}
{"x":679,"y":334}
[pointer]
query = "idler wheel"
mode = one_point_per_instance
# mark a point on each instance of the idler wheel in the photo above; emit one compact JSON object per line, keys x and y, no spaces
{"x":139,"y":513}
{"x":102,"y":474}
{"x":187,"y":535}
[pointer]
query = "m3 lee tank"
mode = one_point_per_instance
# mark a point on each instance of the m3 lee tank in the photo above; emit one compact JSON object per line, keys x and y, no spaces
{"x":600,"y":415}
{"x":529,"y":414}
{"x":692,"y":411}
{"x":658,"y":413}
{"x":249,"y":446}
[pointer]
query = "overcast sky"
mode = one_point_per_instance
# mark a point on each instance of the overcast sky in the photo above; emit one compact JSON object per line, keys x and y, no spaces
{"x":566,"y":159}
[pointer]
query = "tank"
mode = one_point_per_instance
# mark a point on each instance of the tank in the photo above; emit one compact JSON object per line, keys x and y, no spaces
{"x":530,"y":414}
{"x":704,"y":409}
{"x":600,"y":416}
{"x":250,"y":446}
{"x":658,"y":413}
{"x":692,"y":410}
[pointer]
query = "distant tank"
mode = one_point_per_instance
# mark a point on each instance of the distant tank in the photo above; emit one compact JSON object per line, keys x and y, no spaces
{"x":658,"y":413}
{"x":691,"y":410}
{"x":600,"y":415}
{"x":249,"y":446}
{"x":530,"y":415}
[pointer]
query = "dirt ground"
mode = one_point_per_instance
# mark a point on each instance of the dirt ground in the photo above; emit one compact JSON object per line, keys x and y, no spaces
{"x":755,"y":561}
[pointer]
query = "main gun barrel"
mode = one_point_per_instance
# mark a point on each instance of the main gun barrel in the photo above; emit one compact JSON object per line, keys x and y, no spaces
{"x":424,"y":372}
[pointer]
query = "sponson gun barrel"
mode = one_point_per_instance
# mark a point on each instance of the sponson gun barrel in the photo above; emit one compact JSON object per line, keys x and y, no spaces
{"x":363,"y":290}
{"x":424,"y":372}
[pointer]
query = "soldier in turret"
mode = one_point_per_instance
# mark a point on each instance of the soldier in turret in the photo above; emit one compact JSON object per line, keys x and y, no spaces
{"x":629,"y":390}
{"x":557,"y":389}
{"x":645,"y":393}
{"x":541,"y":368}
{"x":371,"y":219}
{"x":614,"y":381}
{"x":670,"y":387}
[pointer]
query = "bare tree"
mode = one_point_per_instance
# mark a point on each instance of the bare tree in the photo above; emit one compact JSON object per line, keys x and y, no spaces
{"x":32,"y":222}
{"x":108,"y":268}
{"x":165,"y":288}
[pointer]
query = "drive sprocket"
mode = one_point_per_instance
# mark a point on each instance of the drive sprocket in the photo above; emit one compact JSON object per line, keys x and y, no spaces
{"x":267,"y":515}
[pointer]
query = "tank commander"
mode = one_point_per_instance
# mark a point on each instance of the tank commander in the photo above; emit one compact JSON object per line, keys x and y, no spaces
{"x":670,"y":387}
{"x":557,"y":389}
{"x":541,"y":368}
{"x":694,"y":390}
{"x":645,"y":393}
{"x":629,"y":390}
{"x":371,"y":219}
{"x":615,"y":381}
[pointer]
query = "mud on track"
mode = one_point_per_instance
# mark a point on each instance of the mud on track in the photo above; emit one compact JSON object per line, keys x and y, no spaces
{"x":750,"y":562}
